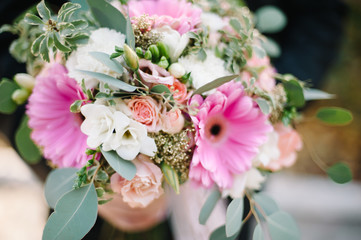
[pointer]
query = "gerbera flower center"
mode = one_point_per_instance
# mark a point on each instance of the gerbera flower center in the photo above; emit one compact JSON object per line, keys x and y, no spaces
{"x":216,"y":129}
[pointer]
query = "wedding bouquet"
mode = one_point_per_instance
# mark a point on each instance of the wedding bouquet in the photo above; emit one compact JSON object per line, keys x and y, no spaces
{"x":126,"y":97}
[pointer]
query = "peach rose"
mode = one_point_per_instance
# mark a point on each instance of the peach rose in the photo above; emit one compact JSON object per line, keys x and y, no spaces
{"x":145,"y":187}
{"x":179,"y":91}
{"x":173,"y":121}
{"x":145,"y":110}
{"x":289,"y":142}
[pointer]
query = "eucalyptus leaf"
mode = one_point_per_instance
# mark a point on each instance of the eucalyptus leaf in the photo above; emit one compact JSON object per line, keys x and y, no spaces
{"x":208,"y":206}
{"x":270,"y":19}
{"x":257,"y":234}
{"x":130,"y":34}
{"x":170,"y":176}
{"x":43,"y":11}
{"x":263,"y":105}
{"x":340,"y":173}
{"x":266,"y":204}
{"x":75,"y":214}
{"x":7,"y":105}
{"x":124,"y":168}
{"x":272,"y":48}
{"x":160,"y":88}
{"x":214,"y":84}
{"x":26,"y":147}
{"x":108,"y":16}
{"x":294,"y":92}
{"x":334,"y":116}
{"x":234,"y":217}
{"x":110,"y":63}
{"x":220,"y":234}
{"x":315,"y":94}
{"x":282,"y":226}
{"x":59,"y":182}
{"x":110,"y":80}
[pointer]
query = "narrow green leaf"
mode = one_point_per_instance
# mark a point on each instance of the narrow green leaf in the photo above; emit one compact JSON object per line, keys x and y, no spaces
{"x":110,"y":63}
{"x":67,"y":10}
{"x":236,"y":25}
{"x":220,"y":234}
{"x":79,"y":24}
{"x":77,"y":39}
{"x":124,"y":168}
{"x":102,"y":202}
{"x":294,"y":93}
{"x":60,"y":45}
{"x":234,"y":217}
{"x":263,"y":105}
{"x":209,"y":206}
{"x":266,"y":204}
{"x":282,"y":226}
{"x":340,"y":173}
{"x":214,"y":84}
{"x":59,"y":182}
{"x":43,"y":11}
{"x":315,"y":94}
{"x":130,"y":34}
{"x":32,"y":19}
{"x":66,"y":29}
{"x":75,"y":214}
{"x":108,"y":16}
{"x":7,"y":105}
{"x":110,"y":80}
{"x":44,"y":50}
{"x":334,"y":116}
{"x":170,"y":176}
{"x":36,"y":45}
{"x":26,"y":147}
{"x":115,"y":55}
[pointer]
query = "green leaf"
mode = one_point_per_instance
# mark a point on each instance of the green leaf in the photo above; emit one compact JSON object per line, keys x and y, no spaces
{"x":209,"y":206}
{"x":340,"y":173}
{"x":266,"y":204}
{"x":202,"y":55}
{"x":282,"y":226}
{"x":125,"y":168}
{"x":79,"y":24}
{"x":130,"y":34}
{"x":170,"y":176}
{"x":102,"y":176}
{"x":110,"y":63}
{"x":67,"y":10}
{"x":236,"y":25}
{"x":110,"y":80}
{"x":294,"y":93}
{"x":315,"y":94}
{"x":263,"y":105}
{"x":220,"y":234}
{"x":160,"y":88}
{"x":36,"y":45}
{"x":108,"y":16}
{"x":257,"y":234}
{"x":234,"y":217}
{"x":44,"y":50}
{"x":101,"y":202}
{"x":26,"y":147}
{"x":334,"y":116}
{"x":7,"y":105}
{"x":272,"y":48}
{"x":75,"y":106}
{"x":100,"y":191}
{"x":270,"y":19}
{"x":32,"y":19}
{"x":214,"y":84}
{"x":43,"y":11}
{"x":75,"y":214}
{"x":60,"y":45}
{"x":59,"y":182}
{"x":77,"y":39}
{"x":259,"y":51}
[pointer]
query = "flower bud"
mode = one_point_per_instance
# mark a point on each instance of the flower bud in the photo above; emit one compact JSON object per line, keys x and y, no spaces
{"x":177,"y":70}
{"x":163,"y":62}
{"x":25,"y":81}
{"x":148,"y":55}
{"x":20,"y":96}
{"x":163,"y":49}
{"x":139,"y":52}
{"x":131,"y":58}
{"x":155,"y":53}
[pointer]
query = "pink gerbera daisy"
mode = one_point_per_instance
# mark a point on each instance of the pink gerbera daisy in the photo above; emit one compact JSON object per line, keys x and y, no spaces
{"x":55,"y":129}
{"x":230,"y":128}
{"x":178,"y":14}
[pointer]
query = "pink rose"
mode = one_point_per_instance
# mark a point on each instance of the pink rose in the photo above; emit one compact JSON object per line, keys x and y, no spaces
{"x":145,"y":187}
{"x":152,"y":73}
{"x":173,"y":121}
{"x":179,"y":91}
{"x":145,"y":110}
{"x":289,"y":142}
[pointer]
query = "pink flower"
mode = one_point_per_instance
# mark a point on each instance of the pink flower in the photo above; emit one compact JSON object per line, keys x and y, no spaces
{"x":152,"y":73}
{"x":179,"y":91}
{"x":173,"y":121}
{"x":265,"y":71}
{"x":289,"y":142}
{"x":230,"y":128}
{"x":144,"y":187}
{"x":55,"y":129}
{"x":178,"y":14}
{"x":146,"y":110}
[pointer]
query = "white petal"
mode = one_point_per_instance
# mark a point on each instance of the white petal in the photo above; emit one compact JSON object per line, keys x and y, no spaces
{"x":121,"y":121}
{"x":128,"y":152}
{"x":148,"y":147}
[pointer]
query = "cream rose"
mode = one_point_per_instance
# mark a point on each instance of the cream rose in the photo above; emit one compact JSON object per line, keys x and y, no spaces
{"x":145,"y":187}
{"x":173,"y":121}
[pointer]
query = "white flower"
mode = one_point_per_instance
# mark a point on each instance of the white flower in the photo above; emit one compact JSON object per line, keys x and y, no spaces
{"x":251,"y":180}
{"x":129,"y":138}
{"x":204,"y":72}
{"x":101,"y":40}
{"x":174,"y":41}
{"x":177,"y":70}
{"x":213,"y":21}
{"x":98,"y":124}
{"x":268,"y":151}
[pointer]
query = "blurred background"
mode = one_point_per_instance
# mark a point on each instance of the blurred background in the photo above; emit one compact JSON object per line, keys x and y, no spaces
{"x":325,"y":37}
